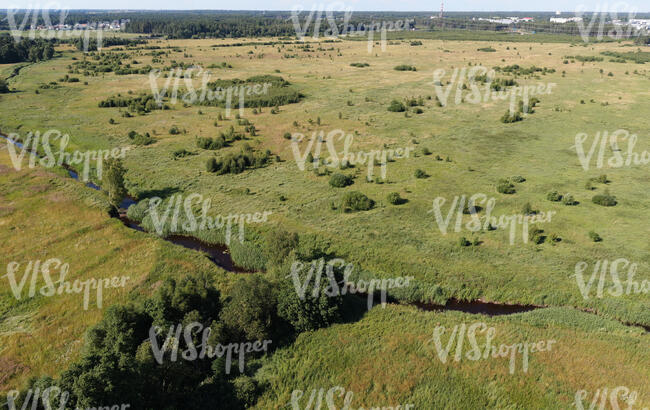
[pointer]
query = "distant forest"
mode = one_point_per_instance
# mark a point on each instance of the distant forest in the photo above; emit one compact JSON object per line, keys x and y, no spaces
{"x":236,"y":24}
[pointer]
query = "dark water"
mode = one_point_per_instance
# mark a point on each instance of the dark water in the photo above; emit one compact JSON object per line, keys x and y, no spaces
{"x":218,"y":254}
{"x":478,"y":307}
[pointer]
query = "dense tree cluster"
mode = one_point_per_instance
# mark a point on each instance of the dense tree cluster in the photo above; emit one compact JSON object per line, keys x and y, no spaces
{"x":141,"y":104}
{"x":24,"y":50}
{"x":238,"y":163}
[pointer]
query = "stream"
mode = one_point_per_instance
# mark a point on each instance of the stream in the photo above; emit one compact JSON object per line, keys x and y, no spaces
{"x":220,"y":256}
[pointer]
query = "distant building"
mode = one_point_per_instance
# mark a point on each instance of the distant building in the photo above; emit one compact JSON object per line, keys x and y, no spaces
{"x":563,"y":20}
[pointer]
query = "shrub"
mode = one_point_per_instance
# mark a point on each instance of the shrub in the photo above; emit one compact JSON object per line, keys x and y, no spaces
{"x":139,"y":139}
{"x":287,"y":135}
{"x":535,"y":235}
{"x":181,"y":153}
{"x":340,"y":181}
{"x":505,"y":187}
{"x":3,"y":86}
{"x":464,"y":242}
{"x":405,"y":67}
{"x":602,"y":179}
{"x":251,"y":311}
{"x":604,"y":199}
{"x":420,"y":174}
{"x":509,"y":118}
{"x":528,"y":209}
{"x":278,"y":244}
{"x":594,"y":236}
{"x":211,"y":143}
{"x":394,"y":198}
{"x":174,"y":130}
{"x":518,"y":179}
{"x":426,"y":151}
{"x":486,"y":49}
{"x":237,"y":163}
{"x":356,"y":201}
{"x":569,"y":200}
{"x":396,"y":106}
{"x":308,"y":312}
{"x":418,"y":110}
{"x":554,"y":196}
{"x":360,"y":65}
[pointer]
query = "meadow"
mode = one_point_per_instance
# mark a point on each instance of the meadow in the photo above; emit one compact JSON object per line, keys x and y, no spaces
{"x":460,"y":148}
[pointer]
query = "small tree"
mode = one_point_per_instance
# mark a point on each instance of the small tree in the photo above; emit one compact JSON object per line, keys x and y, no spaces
{"x":114,"y":181}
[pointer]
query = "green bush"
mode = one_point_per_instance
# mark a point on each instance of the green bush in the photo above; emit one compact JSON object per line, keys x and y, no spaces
{"x":308,"y":312}
{"x":554,"y":196}
{"x":569,"y":200}
{"x":238,"y":163}
{"x":340,"y":181}
{"x":139,"y":139}
{"x":405,"y":67}
{"x":181,"y":153}
{"x":518,"y":179}
{"x":506,"y":187}
{"x":360,"y":65}
{"x":536,"y":235}
{"x":394,"y":198}
{"x":250,"y":313}
{"x":396,"y":106}
{"x":594,"y":236}
{"x":509,"y":118}
{"x":278,"y":244}
{"x":604,"y":199}
{"x":356,"y":201}
{"x":420,"y":174}
{"x":211,"y":143}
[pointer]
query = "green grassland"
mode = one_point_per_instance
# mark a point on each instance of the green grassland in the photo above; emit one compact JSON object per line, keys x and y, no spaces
{"x":389,"y":240}
{"x":386,"y":366}
{"x":46,"y":215}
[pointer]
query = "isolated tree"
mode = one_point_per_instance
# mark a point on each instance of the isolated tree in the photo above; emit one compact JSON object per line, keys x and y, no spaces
{"x":114,"y":181}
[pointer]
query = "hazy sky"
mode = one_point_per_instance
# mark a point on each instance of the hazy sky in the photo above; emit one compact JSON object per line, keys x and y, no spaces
{"x":356,"y":5}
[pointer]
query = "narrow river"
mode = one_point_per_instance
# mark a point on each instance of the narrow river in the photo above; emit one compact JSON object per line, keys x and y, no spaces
{"x":219,"y":254}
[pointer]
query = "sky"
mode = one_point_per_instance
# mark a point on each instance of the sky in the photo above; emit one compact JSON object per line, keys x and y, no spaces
{"x":355,"y":5}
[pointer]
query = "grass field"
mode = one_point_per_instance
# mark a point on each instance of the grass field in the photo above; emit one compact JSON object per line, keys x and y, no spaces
{"x":388,"y":240}
{"x":44,"y":215}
